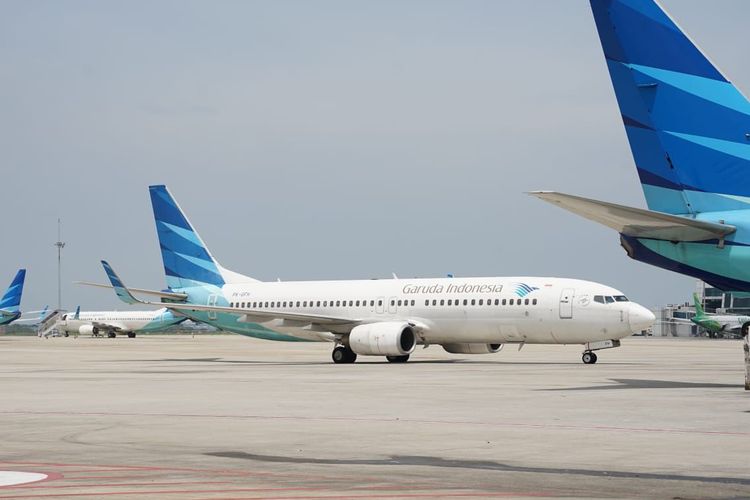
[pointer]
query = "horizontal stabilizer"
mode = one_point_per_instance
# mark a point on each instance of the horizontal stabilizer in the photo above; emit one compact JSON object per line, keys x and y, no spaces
{"x":637,"y":222}
{"x":158,"y":293}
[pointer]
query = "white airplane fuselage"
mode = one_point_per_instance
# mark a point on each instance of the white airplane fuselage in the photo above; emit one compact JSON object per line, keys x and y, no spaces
{"x":447,"y":310}
{"x":123,"y":322}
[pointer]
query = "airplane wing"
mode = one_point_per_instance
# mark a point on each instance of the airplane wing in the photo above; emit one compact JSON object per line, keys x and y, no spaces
{"x":638,"y":222}
{"x":158,"y":293}
{"x":247,"y":314}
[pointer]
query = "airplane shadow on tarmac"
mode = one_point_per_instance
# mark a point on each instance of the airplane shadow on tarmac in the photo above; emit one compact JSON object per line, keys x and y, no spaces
{"x":628,"y":383}
{"x":426,"y":461}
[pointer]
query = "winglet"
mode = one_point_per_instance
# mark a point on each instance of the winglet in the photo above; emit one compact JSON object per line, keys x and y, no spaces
{"x":122,"y":292}
{"x":77,"y":315}
{"x":43,"y":313}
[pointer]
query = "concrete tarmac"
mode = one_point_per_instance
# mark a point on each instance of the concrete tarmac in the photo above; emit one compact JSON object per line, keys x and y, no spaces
{"x":223,"y":416}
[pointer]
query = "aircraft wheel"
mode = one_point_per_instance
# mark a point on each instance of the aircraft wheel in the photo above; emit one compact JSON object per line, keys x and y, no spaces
{"x":67,"y":334}
{"x":398,"y":359}
{"x":588,"y":358}
{"x":131,"y":335}
{"x":745,"y":329}
{"x":111,"y":335}
{"x":342,"y":354}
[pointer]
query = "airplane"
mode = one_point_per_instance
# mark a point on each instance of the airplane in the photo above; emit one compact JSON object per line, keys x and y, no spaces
{"x":10,"y":304}
{"x":717,"y":324}
{"x":689,"y":133}
{"x":110,"y":323}
{"x":386,"y":317}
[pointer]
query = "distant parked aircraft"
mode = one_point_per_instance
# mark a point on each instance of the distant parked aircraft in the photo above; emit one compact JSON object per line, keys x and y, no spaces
{"x":10,"y":304}
{"x":111,"y":323}
{"x":717,"y":324}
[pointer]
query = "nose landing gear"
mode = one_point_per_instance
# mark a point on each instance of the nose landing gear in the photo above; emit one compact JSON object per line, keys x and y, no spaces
{"x":589,"y":358}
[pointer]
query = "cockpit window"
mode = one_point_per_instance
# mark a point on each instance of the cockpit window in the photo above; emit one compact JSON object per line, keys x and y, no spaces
{"x":599,"y":299}
{"x":609,"y":299}
{"x":621,"y":298}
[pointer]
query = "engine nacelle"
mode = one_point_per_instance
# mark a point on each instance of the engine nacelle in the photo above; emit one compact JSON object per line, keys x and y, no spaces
{"x":472,"y":348}
{"x":86,"y":329}
{"x":391,"y":338}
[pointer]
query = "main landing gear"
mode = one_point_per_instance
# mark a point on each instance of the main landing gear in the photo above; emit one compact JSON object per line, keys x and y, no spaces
{"x":398,"y":359}
{"x":343,"y":354}
{"x":131,"y":335}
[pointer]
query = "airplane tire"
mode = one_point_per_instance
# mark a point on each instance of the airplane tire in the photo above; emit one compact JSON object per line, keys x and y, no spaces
{"x":111,"y":335}
{"x":588,"y":358}
{"x":745,"y":329}
{"x":131,"y":335}
{"x":398,"y":359}
{"x":342,"y":355}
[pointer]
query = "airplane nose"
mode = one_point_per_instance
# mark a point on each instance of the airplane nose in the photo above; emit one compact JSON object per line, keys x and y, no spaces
{"x":640,"y":318}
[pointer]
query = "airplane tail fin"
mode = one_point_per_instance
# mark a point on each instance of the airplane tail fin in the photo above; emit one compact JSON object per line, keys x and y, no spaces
{"x":699,"y":312}
{"x":77,"y":314}
{"x":187,"y":261}
{"x":688,"y":126}
{"x":11,"y":301}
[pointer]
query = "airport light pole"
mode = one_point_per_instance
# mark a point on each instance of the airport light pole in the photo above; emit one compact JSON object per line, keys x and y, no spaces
{"x":60,"y":244}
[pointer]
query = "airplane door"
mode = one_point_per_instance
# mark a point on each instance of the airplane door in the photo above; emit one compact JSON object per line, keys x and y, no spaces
{"x":212,"y":302}
{"x":392,"y":308}
{"x":379,"y":308}
{"x":566,"y":303}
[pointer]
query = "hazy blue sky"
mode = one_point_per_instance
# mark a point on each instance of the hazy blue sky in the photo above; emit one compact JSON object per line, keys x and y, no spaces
{"x":321,"y":139}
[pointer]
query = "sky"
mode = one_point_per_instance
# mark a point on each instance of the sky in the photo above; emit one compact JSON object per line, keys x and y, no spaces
{"x":321,"y":140}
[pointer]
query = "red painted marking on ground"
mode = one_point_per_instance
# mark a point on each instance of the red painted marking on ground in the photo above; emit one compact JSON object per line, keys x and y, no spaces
{"x":494,"y":494}
{"x":588,"y":428}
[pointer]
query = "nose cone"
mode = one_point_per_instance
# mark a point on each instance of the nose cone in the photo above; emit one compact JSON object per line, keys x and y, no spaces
{"x":640,"y":318}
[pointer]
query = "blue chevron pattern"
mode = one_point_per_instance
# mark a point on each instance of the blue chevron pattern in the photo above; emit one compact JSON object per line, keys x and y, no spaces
{"x":11,"y":301}
{"x":688,"y":126}
{"x":187,"y":262}
{"x":522,"y":289}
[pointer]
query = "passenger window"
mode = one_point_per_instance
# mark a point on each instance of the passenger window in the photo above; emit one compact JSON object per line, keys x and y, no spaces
{"x":231,"y":304}
{"x":434,"y":302}
{"x":533,"y":302}
{"x":399,"y":302}
{"x":442,"y":302}
{"x":466,"y":301}
{"x":285,"y":303}
{"x":317,"y":303}
{"x":497,"y":302}
{"x":255,"y":304}
{"x":427,"y":302}
{"x":351,"y":303}
{"x":526,"y":301}
{"x":504,"y":302}
{"x":357,"y":303}
{"x":481,"y":302}
{"x":510,"y":302}
{"x":372,"y":303}
{"x":450,"y":302}
{"x":380,"y":302}
{"x":412,"y":301}
{"x":473,"y":301}
{"x":325,"y":303}
{"x":518,"y":302}
{"x":338,"y":303}
{"x":393,"y":302}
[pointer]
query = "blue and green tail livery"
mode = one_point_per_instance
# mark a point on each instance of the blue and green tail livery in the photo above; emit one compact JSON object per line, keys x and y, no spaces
{"x":688,"y":126}
{"x":10,"y":305}
{"x":187,"y":261}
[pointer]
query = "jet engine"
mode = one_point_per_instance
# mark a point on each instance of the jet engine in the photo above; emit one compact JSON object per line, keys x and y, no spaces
{"x":472,"y":348}
{"x":391,"y":338}
{"x":87,"y":330}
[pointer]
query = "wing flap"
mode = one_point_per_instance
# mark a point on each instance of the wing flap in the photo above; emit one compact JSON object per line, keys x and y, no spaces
{"x":637,"y":222}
